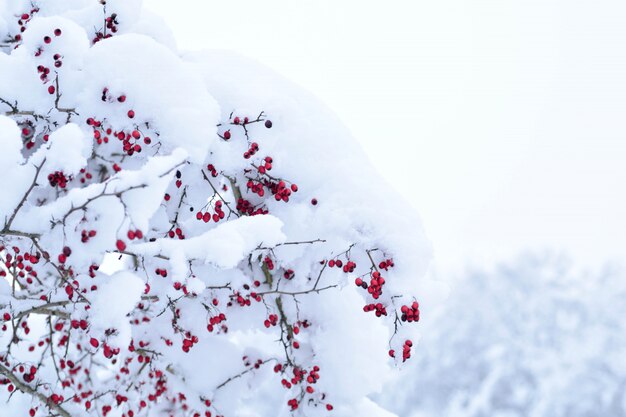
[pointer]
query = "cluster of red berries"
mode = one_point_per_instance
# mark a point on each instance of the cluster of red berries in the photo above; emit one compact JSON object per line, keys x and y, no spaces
{"x":189,"y":341}
{"x":109,"y":352}
{"x":272,"y":320}
{"x":16,"y":264}
{"x":64,"y":254}
{"x":56,"y":399}
{"x":256,"y":188}
{"x":246,"y":207}
{"x":214,"y":321}
{"x":75,"y":324}
{"x":266,"y":165}
{"x":212,"y":170}
{"x":69,"y":290}
{"x":410,"y":313}
{"x":134,"y":234}
{"x":269,"y":263}
{"x":176,"y":232}
{"x":300,"y":376}
{"x":253,"y":149}
{"x":375,"y":287}
{"x":43,"y":75}
{"x":86,"y":176}
{"x":289,"y":274}
{"x":386,"y":264}
{"x":378,"y":308}
{"x":59,"y":179}
{"x":280,"y":190}
{"x":293,"y":404}
{"x":248,"y":363}
{"x":161,"y":271}
{"x":256,"y":297}
{"x":92,"y":270}
{"x":43,"y":70}
{"x":217,"y":216}
{"x":120,"y":399}
{"x":100,"y":135}
{"x":241,"y":300}
{"x":110,"y":23}
{"x":23,"y":21}
{"x":360,"y":283}
{"x":131,"y":141}
{"x":347,"y":268}
{"x":30,"y":375}
{"x":406,"y":350}
{"x":57,"y":58}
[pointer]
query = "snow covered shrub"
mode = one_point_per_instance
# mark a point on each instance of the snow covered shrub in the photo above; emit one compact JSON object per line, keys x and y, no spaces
{"x":186,"y":235}
{"x":534,"y":337}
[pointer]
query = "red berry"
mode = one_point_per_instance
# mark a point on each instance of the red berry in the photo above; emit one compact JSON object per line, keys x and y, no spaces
{"x":121,"y":246}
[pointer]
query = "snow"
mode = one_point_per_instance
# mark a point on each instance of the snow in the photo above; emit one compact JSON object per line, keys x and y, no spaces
{"x":67,"y":151}
{"x":225,"y":246}
{"x":115,"y":299}
{"x":11,"y":143}
{"x":159,"y":87}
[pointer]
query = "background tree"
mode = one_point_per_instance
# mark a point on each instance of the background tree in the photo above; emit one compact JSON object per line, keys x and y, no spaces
{"x":186,"y":236}
{"x":532,"y":337}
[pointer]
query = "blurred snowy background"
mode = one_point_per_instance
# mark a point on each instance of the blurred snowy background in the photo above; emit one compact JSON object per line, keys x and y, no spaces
{"x":503,"y":123}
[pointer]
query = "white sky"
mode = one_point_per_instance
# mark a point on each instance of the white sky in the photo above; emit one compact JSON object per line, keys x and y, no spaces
{"x":502,"y":122}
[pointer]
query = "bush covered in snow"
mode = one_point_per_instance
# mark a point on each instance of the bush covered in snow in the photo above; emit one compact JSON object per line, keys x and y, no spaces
{"x":186,"y":235}
{"x":533,"y":337}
